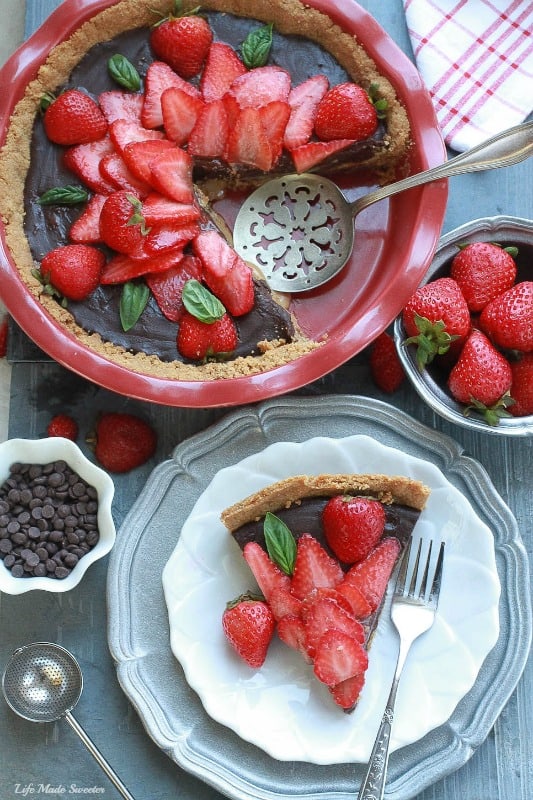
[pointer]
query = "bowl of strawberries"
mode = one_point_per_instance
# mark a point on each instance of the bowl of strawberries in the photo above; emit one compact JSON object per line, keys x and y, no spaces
{"x":465,"y":337}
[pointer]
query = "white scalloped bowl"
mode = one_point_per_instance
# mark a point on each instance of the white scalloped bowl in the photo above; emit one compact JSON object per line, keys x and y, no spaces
{"x":428,"y":383}
{"x":45,"y":451}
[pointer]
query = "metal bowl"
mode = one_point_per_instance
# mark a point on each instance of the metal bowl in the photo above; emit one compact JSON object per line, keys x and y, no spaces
{"x":430,"y":383}
{"x":45,"y":451}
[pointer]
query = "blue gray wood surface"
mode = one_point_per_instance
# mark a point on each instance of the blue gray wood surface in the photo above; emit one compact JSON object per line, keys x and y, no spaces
{"x":47,"y":758}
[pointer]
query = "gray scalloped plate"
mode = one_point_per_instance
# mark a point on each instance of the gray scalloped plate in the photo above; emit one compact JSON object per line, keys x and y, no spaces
{"x":138,"y":630}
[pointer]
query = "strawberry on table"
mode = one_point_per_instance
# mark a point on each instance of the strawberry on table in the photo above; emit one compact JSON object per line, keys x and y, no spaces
{"x":248,"y":625}
{"x":72,"y":270}
{"x":74,"y":118}
{"x":123,"y":441}
{"x":182,"y":39}
{"x":483,"y":271}
{"x":385,"y":365}
{"x":522,"y":386}
{"x":346,"y":112}
{"x":63,"y":425}
{"x":353,"y":526}
{"x":508,"y":319}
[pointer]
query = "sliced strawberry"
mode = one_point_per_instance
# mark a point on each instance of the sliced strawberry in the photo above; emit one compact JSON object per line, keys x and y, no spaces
{"x":260,"y":86}
{"x":283,"y":603}
{"x":159,"y":76}
{"x":303,"y":101}
{"x":247,"y":141}
{"x":84,"y":161}
{"x":371,"y":576}
{"x":267,"y":574}
{"x":124,"y":268}
{"x":168,"y":237}
{"x":309,"y":155}
{"x":313,"y":568}
{"x":114,"y":169}
{"x":325,"y":593}
{"x":140,"y":155}
{"x":274,"y":117}
{"x":158,"y":210}
{"x":346,"y":693}
{"x":121,"y":105}
{"x":171,"y":174}
{"x":232,"y":109}
{"x":225,"y":273}
{"x":180,"y":111}
{"x":291,"y":631}
{"x":86,"y":229}
{"x":360,"y":606}
{"x":124,"y":132}
{"x":221,"y":68}
{"x":167,"y":286}
{"x":324,"y":615}
{"x":210,"y":133}
{"x":338,"y":658}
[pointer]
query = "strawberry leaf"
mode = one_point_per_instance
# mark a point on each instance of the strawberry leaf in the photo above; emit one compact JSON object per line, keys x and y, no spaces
{"x":280,"y":543}
{"x":124,"y":73}
{"x":64,"y":196}
{"x":256,"y":47}
{"x":201,"y":303}
{"x":133,"y":301}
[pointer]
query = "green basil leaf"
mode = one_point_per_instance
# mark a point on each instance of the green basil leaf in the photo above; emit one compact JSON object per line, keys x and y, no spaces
{"x":256,"y":47}
{"x":124,"y":73}
{"x":64,"y":196}
{"x":280,"y":543}
{"x":201,"y":303}
{"x":133,"y":301}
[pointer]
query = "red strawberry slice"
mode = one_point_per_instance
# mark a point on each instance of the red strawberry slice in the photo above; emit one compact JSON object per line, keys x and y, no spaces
{"x":210,"y":133}
{"x":121,"y":105}
{"x":303,"y":101}
{"x":167,"y":287}
{"x":86,"y":229}
{"x":338,"y":658}
{"x":124,"y":268}
{"x":283,"y":604}
{"x":84,"y":161}
{"x":359,"y":605}
{"x":232,"y":109}
{"x":274,"y":117}
{"x":346,"y":693}
{"x":267,"y":574}
{"x":115,"y":170}
{"x":168,"y":237}
{"x":159,"y":76}
{"x":371,"y":576}
{"x":325,"y":615}
{"x":309,"y":155}
{"x":291,"y":631}
{"x":323,"y":593}
{"x":140,"y":155}
{"x":171,"y":174}
{"x":313,"y":568}
{"x":221,"y":68}
{"x":247,"y":141}
{"x":260,"y":86}
{"x":225,"y":273}
{"x":158,"y":210}
{"x":180,"y":112}
{"x":124,"y":132}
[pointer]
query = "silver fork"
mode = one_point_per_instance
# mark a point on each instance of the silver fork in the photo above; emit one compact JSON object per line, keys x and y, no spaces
{"x":413,"y":608}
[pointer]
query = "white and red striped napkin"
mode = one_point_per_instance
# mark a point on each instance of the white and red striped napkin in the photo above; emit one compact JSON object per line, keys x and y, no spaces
{"x":476,"y":59}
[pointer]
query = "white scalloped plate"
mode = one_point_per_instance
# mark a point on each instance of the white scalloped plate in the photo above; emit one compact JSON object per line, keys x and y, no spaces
{"x":282,"y":708}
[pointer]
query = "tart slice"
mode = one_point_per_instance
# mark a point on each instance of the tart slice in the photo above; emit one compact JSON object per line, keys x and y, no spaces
{"x":322,"y":550}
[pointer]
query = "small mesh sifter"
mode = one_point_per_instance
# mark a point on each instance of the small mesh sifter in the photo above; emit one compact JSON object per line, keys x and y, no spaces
{"x":42,"y":682}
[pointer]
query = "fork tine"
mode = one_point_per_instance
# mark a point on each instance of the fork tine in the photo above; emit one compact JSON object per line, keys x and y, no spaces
{"x":437,"y":577}
{"x":402,"y":572}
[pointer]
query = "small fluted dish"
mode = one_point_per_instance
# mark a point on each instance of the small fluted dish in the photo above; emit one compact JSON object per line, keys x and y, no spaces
{"x":46,"y":451}
{"x":430,"y":383}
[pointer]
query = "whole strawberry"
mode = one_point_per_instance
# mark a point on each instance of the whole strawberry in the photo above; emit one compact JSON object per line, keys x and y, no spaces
{"x":483,"y":271}
{"x":248,"y":625}
{"x":522,"y":386}
{"x":121,"y":223}
{"x":123,"y":441}
{"x":74,"y":118}
{"x":182,"y":40}
{"x":508,"y":319}
{"x":436,"y":318}
{"x":63,"y":425}
{"x":73,"y":271}
{"x":385,"y":365}
{"x":353,"y":526}
{"x":345,"y":112}
{"x":481,"y":378}
{"x":199,"y":340}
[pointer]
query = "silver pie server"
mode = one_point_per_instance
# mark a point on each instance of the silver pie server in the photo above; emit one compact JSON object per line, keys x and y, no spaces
{"x":42,"y":682}
{"x":299,"y":229}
